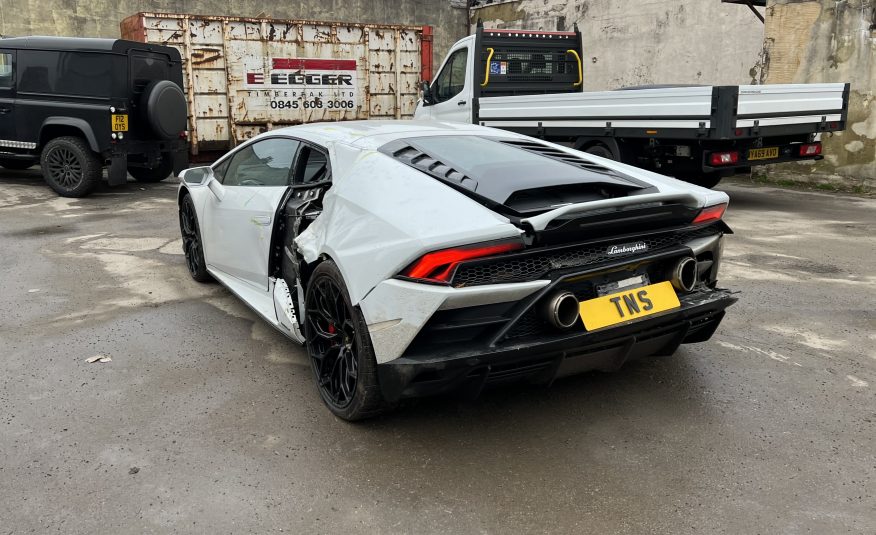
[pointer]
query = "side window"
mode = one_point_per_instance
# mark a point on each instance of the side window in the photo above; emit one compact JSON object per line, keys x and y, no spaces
{"x":451,"y":80}
{"x":220,"y":170}
{"x":148,"y":67}
{"x":312,"y":166}
{"x":5,"y":70}
{"x":65,"y":73}
{"x":265,"y":163}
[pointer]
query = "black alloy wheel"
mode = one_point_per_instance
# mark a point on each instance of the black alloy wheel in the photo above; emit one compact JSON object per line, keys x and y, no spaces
{"x":191,"y":238}
{"x":340,"y":349}
{"x":332,"y":336}
{"x":64,"y":168}
{"x":69,"y":167}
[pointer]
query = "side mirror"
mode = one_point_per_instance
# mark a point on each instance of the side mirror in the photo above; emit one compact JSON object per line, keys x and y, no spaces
{"x":196,"y":175}
{"x":203,"y":176}
{"x":427,"y":93}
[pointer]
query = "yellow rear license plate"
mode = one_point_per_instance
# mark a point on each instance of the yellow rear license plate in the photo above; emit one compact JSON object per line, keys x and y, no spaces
{"x":763,"y":154}
{"x":629,"y":305}
{"x":120,"y":123}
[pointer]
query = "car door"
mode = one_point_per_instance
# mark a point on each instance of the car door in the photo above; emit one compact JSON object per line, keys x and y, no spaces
{"x":7,"y":99}
{"x":451,"y":90}
{"x":237,"y":227}
{"x":311,"y":179}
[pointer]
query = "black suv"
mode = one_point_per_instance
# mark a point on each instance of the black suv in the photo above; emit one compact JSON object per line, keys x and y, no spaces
{"x":79,"y":105}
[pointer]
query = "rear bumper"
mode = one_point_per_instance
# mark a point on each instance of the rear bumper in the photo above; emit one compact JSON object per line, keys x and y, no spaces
{"x":787,"y":153}
{"x":542,"y":361}
{"x":145,"y":152}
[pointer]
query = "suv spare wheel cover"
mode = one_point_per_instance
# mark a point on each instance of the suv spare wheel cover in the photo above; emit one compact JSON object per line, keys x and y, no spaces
{"x":165,"y":107}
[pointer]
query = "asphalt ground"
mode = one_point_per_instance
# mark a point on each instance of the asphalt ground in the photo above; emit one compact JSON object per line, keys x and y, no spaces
{"x":207,"y":421}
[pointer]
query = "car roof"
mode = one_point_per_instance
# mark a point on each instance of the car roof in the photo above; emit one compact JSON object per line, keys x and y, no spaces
{"x":372,"y":134}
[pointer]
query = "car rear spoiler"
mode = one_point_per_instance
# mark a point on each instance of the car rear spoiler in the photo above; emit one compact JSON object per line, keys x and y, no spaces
{"x":541,"y":221}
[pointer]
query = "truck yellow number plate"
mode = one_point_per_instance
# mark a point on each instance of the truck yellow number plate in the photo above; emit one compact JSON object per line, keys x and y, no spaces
{"x":629,"y":305}
{"x":763,"y":154}
{"x":120,"y":123}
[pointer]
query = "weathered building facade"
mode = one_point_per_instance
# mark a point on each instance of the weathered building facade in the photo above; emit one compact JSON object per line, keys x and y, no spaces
{"x":101,"y":18}
{"x":626,"y":43}
{"x":828,"y":41}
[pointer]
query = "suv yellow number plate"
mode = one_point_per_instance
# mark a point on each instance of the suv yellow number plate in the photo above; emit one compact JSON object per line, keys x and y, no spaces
{"x":120,"y":123}
{"x":763,"y":154}
{"x":629,"y":305}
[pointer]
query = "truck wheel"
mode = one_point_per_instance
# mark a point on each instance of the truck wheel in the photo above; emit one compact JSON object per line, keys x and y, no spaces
{"x":702,"y":179}
{"x":156,"y":174}
{"x":69,"y":167}
{"x":600,"y":150}
{"x":16,"y":165}
{"x":164,"y":106}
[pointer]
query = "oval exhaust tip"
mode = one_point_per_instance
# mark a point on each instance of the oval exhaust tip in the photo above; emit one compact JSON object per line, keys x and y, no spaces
{"x":684,"y":274}
{"x":563,"y":310}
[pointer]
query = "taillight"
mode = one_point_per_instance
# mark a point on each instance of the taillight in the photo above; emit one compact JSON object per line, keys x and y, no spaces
{"x":710,"y":213}
{"x":438,"y":266}
{"x":724,"y":158}
{"x":810,"y":149}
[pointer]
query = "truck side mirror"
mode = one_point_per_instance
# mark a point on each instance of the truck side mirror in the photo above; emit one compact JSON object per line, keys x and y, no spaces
{"x":427,"y":93}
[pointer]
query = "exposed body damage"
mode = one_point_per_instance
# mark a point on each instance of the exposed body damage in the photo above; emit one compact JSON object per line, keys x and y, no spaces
{"x":396,"y":255}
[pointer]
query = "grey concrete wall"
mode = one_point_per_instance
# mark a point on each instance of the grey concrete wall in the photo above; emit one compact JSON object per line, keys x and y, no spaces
{"x":100,"y":18}
{"x":637,"y":42}
{"x":828,"y":41}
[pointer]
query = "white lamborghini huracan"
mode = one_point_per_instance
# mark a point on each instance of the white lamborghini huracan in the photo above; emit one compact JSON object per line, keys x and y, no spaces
{"x":414,"y":258}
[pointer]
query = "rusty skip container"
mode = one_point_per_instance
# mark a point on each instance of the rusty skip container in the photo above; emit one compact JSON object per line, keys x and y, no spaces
{"x":244,"y":76}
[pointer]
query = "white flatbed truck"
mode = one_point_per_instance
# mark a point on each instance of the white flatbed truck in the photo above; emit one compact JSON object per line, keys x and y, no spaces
{"x":531,"y":82}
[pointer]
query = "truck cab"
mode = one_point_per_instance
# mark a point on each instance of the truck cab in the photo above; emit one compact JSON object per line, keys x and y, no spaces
{"x":531,"y":82}
{"x":451,"y":93}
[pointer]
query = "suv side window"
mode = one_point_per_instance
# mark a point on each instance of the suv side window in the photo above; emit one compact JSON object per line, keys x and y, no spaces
{"x":265,"y":163}
{"x":6,"y":72}
{"x":65,"y":73}
{"x":451,"y":80}
{"x":312,"y":167}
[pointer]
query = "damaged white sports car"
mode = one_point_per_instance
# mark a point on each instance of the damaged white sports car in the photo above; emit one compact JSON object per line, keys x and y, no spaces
{"x":414,"y":258}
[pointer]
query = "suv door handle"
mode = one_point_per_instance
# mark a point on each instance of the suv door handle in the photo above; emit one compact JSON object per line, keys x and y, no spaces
{"x":5,"y":110}
{"x":461,"y":103}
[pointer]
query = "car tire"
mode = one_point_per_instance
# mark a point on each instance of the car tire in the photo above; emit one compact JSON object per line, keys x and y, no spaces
{"x":193,"y":246}
{"x":69,"y":167}
{"x":153,"y":175}
{"x":341,"y":355}
{"x":17,"y":165}
{"x":600,"y":150}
